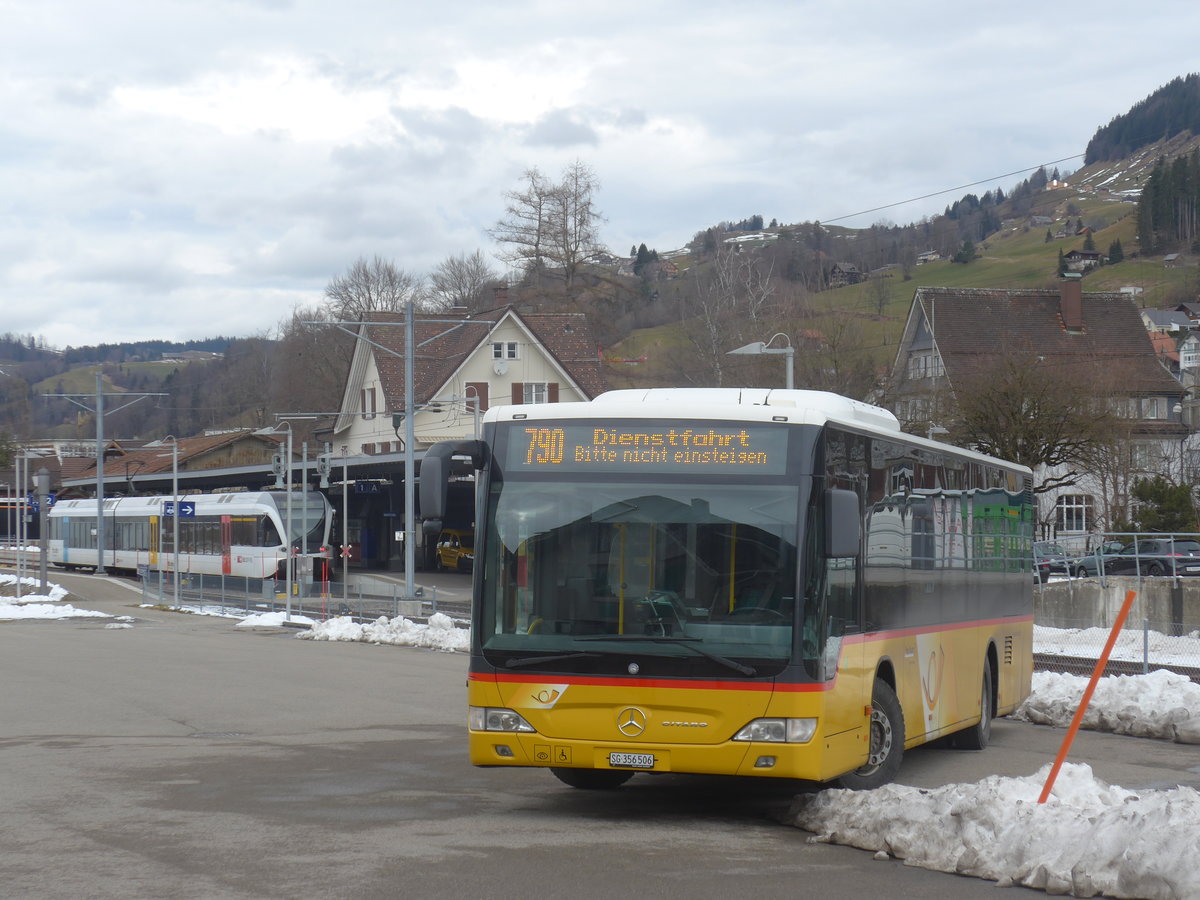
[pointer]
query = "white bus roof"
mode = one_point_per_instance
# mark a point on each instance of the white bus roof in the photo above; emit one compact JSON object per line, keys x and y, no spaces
{"x":736,"y":404}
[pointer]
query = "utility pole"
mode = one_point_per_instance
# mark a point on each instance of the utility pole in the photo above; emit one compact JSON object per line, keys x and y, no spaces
{"x":99,"y":412}
{"x":357,"y":330}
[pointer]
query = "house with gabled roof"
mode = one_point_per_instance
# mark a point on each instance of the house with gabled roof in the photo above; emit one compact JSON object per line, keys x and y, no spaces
{"x":1165,"y":321}
{"x":844,"y":273}
{"x":952,"y":334}
{"x":464,"y":363}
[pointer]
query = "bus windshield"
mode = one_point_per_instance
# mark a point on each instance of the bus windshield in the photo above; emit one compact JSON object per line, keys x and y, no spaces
{"x":701,"y":574}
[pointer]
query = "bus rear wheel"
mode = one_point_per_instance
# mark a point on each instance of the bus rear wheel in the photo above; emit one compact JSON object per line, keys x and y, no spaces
{"x":887,"y":742}
{"x":592,"y":779}
{"x":977,"y":736}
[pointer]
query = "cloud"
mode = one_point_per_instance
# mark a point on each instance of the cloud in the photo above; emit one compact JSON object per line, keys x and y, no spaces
{"x":561,"y":128}
{"x":157,"y":187}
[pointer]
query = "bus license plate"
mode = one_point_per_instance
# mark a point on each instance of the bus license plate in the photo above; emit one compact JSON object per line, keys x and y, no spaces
{"x":631,"y":760}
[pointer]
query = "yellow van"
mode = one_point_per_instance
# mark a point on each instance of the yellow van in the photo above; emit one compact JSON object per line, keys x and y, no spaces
{"x":455,"y":550}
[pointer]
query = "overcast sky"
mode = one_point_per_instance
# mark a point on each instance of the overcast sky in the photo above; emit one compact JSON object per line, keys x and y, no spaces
{"x":185,"y":168}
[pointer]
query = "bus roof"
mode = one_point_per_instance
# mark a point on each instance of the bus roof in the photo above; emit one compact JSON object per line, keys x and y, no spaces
{"x":739,"y":404}
{"x":736,"y":404}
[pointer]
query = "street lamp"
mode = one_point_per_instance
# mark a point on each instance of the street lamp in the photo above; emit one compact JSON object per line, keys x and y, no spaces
{"x":757,"y":348}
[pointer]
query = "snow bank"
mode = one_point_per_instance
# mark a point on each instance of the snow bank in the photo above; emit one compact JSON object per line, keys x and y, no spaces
{"x":24,"y":610}
{"x":1160,"y":704}
{"x":1088,"y":839}
{"x":275,"y":619}
{"x":57,"y":592}
{"x":440,"y":634}
{"x":41,"y":606}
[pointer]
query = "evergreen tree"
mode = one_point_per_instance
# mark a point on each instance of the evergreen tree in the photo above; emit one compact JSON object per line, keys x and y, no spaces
{"x":643,"y":257}
{"x":1115,"y":253}
{"x":1163,"y":506}
{"x":1049,"y":236}
{"x":1062,"y":263}
{"x":1089,"y":245}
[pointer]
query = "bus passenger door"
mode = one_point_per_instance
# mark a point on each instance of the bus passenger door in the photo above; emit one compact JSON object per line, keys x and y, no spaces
{"x":843,"y":657}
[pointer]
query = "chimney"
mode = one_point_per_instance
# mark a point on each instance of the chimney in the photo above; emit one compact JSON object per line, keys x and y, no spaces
{"x":1070,"y":304}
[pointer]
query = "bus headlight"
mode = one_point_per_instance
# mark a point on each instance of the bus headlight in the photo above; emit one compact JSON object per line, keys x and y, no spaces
{"x":494,"y":718}
{"x":778,"y":731}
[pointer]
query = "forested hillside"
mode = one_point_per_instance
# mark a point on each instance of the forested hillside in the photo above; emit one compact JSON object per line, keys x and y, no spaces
{"x":1171,"y":110}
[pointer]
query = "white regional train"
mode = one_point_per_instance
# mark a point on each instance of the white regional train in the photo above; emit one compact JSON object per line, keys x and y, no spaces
{"x":219,"y":534}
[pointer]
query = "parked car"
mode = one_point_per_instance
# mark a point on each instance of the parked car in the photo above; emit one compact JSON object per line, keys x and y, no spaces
{"x":1088,"y":566}
{"x":1049,"y":559}
{"x":1156,"y":556}
{"x":455,"y":550}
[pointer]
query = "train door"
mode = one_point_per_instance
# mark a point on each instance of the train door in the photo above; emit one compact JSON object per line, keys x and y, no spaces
{"x":154,"y":526}
{"x":226,"y":540}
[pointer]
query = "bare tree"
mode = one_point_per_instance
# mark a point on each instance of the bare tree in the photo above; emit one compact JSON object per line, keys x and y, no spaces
{"x":464,"y":281}
{"x":523,"y":231}
{"x":550,"y":226}
{"x":834,"y":353}
{"x":376,"y":286}
{"x":1017,"y":407}
{"x":310,"y":363}
{"x":574,"y":219}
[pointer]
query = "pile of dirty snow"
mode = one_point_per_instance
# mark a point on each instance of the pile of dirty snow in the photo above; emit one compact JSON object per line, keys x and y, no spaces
{"x":1160,"y":704}
{"x":439,"y":634}
{"x":1088,"y":839}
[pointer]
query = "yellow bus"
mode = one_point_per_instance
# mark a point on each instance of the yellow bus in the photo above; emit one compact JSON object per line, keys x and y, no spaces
{"x":745,"y":582}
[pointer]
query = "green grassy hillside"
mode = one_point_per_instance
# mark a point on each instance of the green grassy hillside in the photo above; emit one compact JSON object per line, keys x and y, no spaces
{"x":1016,"y":256}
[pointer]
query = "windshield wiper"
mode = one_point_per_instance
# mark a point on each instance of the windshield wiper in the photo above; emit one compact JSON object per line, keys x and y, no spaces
{"x":534,"y":660}
{"x":689,"y":642}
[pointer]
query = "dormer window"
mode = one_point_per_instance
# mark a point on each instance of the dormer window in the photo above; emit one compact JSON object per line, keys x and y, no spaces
{"x":504,"y":350}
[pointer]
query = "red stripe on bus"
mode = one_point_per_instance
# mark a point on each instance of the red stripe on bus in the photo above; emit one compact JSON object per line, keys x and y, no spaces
{"x":608,"y":681}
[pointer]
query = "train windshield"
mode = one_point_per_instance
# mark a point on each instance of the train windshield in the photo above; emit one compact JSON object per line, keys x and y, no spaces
{"x":309,"y":514}
{"x":701,"y":575}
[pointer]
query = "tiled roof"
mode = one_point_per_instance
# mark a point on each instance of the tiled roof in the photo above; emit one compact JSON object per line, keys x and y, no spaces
{"x":974,"y":326}
{"x":156,"y":458}
{"x":442,"y":348}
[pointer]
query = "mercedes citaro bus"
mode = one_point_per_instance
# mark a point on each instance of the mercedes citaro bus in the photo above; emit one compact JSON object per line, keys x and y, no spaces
{"x":745,"y":582}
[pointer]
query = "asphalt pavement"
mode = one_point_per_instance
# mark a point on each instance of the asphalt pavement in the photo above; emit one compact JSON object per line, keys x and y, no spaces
{"x":190,"y":758}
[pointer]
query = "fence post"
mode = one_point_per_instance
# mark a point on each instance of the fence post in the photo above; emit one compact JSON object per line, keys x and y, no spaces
{"x":1145,"y":646}
{"x":1177,"y":608}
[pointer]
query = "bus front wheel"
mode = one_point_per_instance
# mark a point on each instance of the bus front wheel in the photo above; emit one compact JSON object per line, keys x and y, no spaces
{"x":977,"y":736}
{"x":887,"y":742}
{"x":592,"y":779}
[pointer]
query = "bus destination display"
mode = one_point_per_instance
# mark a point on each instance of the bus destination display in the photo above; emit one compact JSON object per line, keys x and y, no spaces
{"x":634,"y":446}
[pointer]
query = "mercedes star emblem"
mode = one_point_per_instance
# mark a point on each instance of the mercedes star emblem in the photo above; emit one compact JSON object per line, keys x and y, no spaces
{"x":631,"y":721}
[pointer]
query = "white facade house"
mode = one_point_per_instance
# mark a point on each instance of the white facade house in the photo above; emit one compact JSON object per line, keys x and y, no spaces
{"x":463,"y":365}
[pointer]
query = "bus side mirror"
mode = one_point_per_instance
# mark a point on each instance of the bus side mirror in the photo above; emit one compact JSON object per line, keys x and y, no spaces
{"x":435,"y":476}
{"x":843,"y":523}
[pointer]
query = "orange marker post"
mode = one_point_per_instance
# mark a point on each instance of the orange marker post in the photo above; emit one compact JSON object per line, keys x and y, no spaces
{"x":1087,"y":694}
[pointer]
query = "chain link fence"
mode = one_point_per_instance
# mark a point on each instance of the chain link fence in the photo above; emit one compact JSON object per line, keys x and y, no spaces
{"x":1140,"y":648}
{"x":241,"y":597}
{"x":1075,"y":608}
